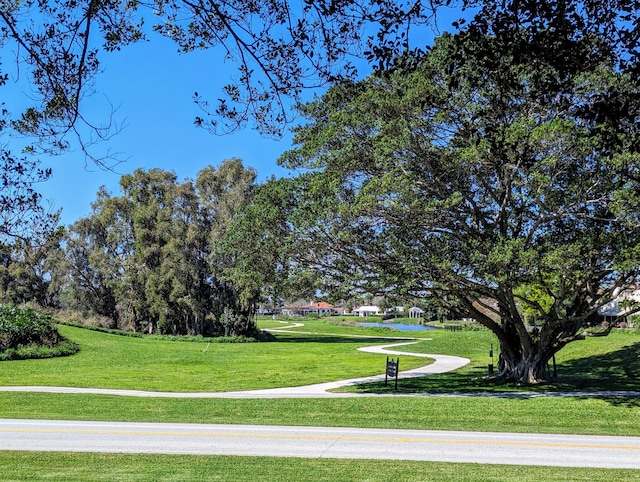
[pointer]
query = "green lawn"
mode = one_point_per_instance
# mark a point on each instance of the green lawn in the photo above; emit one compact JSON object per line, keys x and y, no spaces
{"x":294,"y":359}
{"x":111,"y":361}
{"x":109,"y":467}
{"x":578,"y":415}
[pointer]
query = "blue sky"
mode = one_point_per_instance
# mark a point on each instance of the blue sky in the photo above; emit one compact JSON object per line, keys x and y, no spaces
{"x":151,"y":87}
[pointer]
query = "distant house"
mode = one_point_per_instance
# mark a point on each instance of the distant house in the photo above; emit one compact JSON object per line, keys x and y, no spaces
{"x":610,"y":311}
{"x":320,"y":308}
{"x":626,"y":301}
{"x":415,"y":312}
{"x":291,"y":311}
{"x":395,"y":309}
{"x":367,"y":310}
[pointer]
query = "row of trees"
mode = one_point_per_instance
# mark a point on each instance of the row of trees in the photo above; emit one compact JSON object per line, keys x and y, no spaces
{"x":151,"y":259}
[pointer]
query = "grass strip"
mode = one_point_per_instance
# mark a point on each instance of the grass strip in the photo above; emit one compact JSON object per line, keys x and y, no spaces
{"x":54,"y":466}
{"x":571,"y":415}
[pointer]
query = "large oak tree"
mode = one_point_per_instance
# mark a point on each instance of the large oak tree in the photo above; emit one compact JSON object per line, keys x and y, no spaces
{"x":498,"y":176}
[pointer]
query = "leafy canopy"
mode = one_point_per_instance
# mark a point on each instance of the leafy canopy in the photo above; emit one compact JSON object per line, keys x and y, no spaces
{"x":494,"y":176}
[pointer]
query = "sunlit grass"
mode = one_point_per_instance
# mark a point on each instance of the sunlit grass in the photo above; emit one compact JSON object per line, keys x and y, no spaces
{"x":122,"y":362}
{"x":578,"y":415}
{"x":26,"y":466}
{"x":111,"y":361}
{"x":330,"y":353}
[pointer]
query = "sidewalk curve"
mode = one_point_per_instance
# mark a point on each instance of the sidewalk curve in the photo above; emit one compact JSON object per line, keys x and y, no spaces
{"x":441,"y":364}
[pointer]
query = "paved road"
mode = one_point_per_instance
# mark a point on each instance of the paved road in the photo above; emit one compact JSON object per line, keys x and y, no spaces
{"x":318,"y":442}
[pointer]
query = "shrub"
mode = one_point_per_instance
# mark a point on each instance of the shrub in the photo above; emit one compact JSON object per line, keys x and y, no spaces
{"x":25,"y":352}
{"x":26,"y":333}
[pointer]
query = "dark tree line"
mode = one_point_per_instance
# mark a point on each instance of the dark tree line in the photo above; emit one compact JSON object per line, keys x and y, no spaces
{"x":150,"y":259}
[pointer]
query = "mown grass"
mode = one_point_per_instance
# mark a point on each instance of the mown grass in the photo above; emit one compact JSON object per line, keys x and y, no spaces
{"x":577,"y":415}
{"x":108,"y":360}
{"x":295,"y":358}
{"x":40,"y":466}
{"x":120,"y":362}
{"x":111,"y":361}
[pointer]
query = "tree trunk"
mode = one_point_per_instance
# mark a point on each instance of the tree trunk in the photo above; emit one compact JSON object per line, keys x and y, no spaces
{"x":529,"y":369}
{"x":524,"y":354}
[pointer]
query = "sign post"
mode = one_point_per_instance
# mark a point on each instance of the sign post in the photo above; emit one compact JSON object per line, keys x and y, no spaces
{"x":392,"y":370}
{"x":490,"y":366}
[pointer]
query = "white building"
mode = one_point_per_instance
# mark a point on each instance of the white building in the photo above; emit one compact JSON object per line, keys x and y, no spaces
{"x":367,"y":310}
{"x":625,"y":302}
{"x":415,"y":312}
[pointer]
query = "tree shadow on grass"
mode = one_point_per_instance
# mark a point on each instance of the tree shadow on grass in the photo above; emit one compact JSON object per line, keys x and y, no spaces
{"x":622,"y":401}
{"x":616,"y":371}
{"x":470,"y":379}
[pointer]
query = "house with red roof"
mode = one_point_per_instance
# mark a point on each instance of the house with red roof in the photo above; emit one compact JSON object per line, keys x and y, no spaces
{"x":320,"y":308}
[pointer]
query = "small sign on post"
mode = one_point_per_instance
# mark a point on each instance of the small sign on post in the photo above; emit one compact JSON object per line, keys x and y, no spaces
{"x":392,"y":371}
{"x":490,"y":365}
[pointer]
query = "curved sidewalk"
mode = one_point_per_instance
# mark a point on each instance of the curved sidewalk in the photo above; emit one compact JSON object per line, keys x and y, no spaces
{"x":443,"y":363}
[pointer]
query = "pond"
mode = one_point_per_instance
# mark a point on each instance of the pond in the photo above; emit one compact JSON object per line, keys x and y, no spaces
{"x":398,"y":326}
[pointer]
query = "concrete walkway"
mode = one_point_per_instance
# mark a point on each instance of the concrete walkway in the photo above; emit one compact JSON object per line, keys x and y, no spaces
{"x":441,"y":364}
